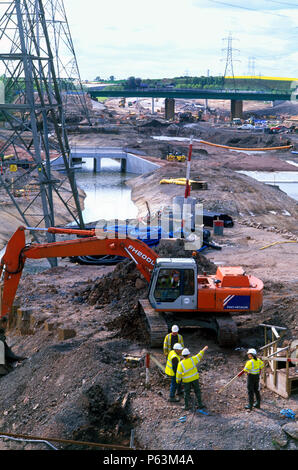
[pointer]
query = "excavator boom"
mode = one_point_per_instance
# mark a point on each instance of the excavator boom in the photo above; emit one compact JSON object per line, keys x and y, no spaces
{"x":17,"y":252}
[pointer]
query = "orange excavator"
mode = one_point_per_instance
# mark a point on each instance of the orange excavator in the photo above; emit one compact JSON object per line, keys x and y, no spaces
{"x":176,"y":292}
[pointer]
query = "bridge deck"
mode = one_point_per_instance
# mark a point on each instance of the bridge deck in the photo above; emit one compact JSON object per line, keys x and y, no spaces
{"x":194,"y":94}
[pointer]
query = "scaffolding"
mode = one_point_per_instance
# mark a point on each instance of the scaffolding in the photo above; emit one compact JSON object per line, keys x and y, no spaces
{"x":281,"y":373}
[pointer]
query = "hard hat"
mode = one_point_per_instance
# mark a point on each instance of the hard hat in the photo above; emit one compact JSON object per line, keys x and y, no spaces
{"x":252,"y":351}
{"x":178,"y":346}
{"x":175,"y":329}
{"x":185,"y":352}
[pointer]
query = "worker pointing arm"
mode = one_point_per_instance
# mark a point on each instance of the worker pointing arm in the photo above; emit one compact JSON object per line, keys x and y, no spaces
{"x":187,"y":372}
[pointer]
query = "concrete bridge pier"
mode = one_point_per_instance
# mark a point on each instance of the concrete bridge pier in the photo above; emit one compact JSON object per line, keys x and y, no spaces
{"x":169,"y":108}
{"x":123,"y":165}
{"x":236,"y":109}
{"x":96,"y":164}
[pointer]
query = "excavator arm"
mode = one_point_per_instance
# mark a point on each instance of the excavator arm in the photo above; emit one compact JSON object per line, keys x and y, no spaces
{"x":13,"y":260}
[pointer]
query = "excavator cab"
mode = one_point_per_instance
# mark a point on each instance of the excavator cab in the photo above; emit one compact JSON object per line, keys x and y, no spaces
{"x":173,"y":285}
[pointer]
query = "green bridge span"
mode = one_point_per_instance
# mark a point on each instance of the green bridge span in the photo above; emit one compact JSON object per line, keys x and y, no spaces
{"x":96,"y":92}
{"x":236,"y":97}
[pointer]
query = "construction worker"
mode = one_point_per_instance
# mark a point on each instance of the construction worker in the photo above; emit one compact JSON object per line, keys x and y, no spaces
{"x":171,"y":368}
{"x":187,"y":372}
{"x":253,"y":368}
{"x":171,"y":339}
{"x":175,"y":280}
{"x":164,"y":282}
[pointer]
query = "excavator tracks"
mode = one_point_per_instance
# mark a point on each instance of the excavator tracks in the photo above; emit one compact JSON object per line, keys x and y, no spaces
{"x":156,"y":325}
{"x":224,"y":326}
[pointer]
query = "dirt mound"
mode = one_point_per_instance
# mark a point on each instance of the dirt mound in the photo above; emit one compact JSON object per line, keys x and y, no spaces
{"x":80,"y":398}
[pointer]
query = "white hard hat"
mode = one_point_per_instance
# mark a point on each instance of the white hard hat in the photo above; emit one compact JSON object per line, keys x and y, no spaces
{"x":178,"y":346}
{"x":175,"y":329}
{"x":185,"y":352}
{"x":252,"y":351}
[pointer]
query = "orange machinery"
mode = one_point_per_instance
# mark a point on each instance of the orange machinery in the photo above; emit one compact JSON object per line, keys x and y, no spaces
{"x":192,"y":300}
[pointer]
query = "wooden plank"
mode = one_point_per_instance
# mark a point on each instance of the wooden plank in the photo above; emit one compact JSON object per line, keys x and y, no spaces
{"x":275,"y":332}
{"x":277,"y":327}
{"x":277,"y":352}
{"x":275,"y":367}
{"x":269,"y":344}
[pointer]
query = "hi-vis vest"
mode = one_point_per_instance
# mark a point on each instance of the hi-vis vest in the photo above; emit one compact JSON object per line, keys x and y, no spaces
{"x":254,"y":366}
{"x":167,"y":343}
{"x":169,"y":365}
{"x":186,"y":370}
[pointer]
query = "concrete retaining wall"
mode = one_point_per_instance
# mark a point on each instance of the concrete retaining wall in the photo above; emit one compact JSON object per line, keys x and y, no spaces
{"x":138,"y":165}
{"x":134,"y":163}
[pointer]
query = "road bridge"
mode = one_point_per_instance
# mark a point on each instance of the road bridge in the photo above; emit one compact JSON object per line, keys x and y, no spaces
{"x":235,"y":96}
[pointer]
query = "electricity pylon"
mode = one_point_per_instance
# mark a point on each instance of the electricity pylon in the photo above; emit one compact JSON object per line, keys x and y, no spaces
{"x":65,"y":60}
{"x":229,"y":67}
{"x":33,"y":116}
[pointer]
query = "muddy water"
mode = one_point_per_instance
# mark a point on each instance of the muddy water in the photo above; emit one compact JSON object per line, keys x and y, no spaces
{"x":107,"y":196}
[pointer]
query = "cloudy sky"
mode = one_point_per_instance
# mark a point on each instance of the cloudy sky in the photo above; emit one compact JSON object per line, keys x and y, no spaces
{"x":168,"y":38}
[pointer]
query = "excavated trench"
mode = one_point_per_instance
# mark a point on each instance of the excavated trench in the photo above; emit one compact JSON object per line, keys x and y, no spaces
{"x":108,"y":423}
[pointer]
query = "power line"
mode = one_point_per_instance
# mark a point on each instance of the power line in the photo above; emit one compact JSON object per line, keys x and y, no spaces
{"x":282,"y":3}
{"x":247,"y":8}
{"x":33,"y":108}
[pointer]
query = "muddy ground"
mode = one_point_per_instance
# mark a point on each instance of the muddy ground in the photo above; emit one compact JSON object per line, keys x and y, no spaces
{"x":83,"y":388}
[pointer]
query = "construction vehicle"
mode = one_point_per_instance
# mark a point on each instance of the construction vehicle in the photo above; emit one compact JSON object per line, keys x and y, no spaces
{"x":186,"y":117}
{"x":196,"y":300}
{"x":171,"y":157}
{"x":121,"y":103}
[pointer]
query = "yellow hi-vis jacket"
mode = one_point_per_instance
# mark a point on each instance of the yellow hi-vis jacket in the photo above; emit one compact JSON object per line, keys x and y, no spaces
{"x":186,"y":370}
{"x":167,"y":343}
{"x":169,"y":370}
{"x":253,"y":366}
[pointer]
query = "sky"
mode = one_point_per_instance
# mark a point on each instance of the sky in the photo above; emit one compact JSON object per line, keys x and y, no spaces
{"x":170,"y":38}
